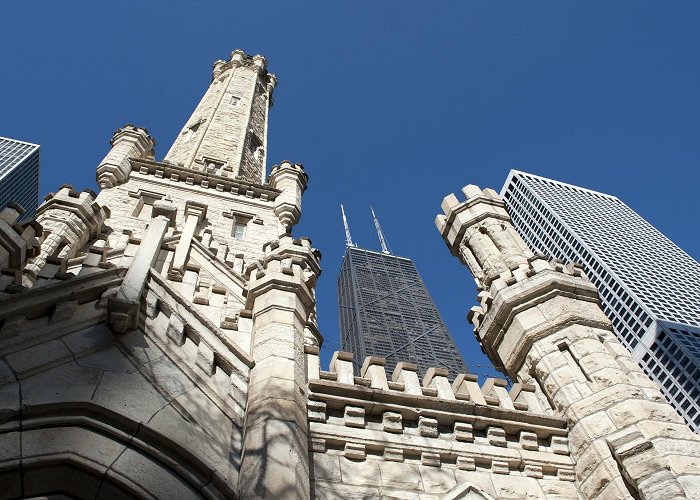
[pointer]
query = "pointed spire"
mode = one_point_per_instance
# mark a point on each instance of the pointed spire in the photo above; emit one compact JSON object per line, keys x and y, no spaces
{"x":382,"y":240}
{"x":348,"y":238}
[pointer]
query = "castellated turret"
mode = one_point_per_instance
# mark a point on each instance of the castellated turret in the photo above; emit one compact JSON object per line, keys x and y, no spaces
{"x":172,"y":310}
{"x":159,"y":340}
{"x":127,"y":142}
{"x":541,"y":323}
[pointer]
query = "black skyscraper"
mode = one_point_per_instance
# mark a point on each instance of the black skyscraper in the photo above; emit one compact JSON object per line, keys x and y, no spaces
{"x":385,"y":310}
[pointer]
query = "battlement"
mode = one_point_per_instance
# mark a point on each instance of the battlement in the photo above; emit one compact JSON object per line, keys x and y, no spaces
{"x":458,"y":426}
{"x":129,"y":130}
{"x":435,"y":390}
{"x":239,"y":58}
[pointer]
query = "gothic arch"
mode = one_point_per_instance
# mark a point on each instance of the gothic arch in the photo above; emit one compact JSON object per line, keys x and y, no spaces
{"x":86,"y":451}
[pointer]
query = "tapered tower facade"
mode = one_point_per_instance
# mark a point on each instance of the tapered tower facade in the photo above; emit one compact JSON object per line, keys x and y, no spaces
{"x":188,"y":304}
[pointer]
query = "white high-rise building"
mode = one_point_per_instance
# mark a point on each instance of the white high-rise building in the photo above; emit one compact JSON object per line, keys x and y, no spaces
{"x":649,"y":287}
{"x":19,"y":174}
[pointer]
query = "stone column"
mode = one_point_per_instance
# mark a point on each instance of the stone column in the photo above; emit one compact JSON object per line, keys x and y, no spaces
{"x":280,"y":297}
{"x":541,"y":324}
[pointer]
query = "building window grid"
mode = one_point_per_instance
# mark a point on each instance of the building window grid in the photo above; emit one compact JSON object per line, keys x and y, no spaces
{"x":541,"y":230}
{"x":391,"y":321}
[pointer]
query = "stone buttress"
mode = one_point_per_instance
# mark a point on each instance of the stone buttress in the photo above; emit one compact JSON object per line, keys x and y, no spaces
{"x":152,"y":335}
{"x":541,"y":323}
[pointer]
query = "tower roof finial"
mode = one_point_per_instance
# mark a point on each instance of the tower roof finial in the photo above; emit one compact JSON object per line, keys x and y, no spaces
{"x":382,"y":240}
{"x":348,"y":238}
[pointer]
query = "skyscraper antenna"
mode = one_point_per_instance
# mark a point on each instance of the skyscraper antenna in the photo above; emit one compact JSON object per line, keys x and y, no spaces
{"x":382,"y":240}
{"x":348,"y":238}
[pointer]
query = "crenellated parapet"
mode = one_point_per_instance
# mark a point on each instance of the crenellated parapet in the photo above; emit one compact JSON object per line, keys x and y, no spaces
{"x":127,"y":142}
{"x":288,"y":263}
{"x":69,"y":220}
{"x":540,"y":321}
{"x":291,"y":180}
{"x":493,"y":396}
{"x":430,"y":433}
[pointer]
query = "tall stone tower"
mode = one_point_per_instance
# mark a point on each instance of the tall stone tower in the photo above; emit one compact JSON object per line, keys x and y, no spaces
{"x":172,"y":309}
{"x":159,"y":340}
{"x":541,"y":323}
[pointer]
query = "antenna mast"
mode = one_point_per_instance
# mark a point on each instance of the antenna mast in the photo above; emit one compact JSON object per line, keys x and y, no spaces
{"x":382,"y":241}
{"x":348,"y":238}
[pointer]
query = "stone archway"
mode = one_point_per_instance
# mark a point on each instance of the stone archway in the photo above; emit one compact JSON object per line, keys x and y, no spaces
{"x":86,"y":451}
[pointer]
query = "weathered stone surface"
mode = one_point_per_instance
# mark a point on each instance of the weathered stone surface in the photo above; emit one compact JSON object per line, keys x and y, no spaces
{"x":151,"y":476}
{"x":354,"y":416}
{"x":364,"y":473}
{"x":400,"y":476}
{"x":437,"y":479}
{"x":326,"y":467}
{"x":392,"y":422}
{"x":129,"y":394}
{"x":68,"y":382}
{"x":38,"y":358}
{"x":427,"y":426}
{"x":463,"y":431}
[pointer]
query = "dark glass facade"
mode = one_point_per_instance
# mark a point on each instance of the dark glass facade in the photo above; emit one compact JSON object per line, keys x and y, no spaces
{"x":385,"y":310}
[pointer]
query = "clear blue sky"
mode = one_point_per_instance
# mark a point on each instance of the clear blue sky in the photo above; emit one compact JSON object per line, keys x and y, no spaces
{"x":390,"y":103}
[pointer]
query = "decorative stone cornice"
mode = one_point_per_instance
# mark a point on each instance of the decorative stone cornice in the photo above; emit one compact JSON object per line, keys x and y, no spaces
{"x":188,"y":177}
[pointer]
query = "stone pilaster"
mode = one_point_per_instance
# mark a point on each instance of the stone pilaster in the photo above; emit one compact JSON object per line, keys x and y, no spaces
{"x":194,"y":214}
{"x":281,"y":300}
{"x":540,"y":322}
{"x":127,"y":142}
{"x":124,"y":304}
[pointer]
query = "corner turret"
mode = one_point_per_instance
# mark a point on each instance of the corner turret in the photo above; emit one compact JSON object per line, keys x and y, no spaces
{"x":540,"y":322}
{"x":127,"y":142}
{"x":291,"y":180}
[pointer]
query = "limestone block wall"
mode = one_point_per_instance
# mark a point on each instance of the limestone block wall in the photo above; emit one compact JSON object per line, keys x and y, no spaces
{"x":131,"y":211}
{"x":374,"y":436}
{"x":541,"y":322}
{"x":91,"y":413}
{"x":228,"y":130}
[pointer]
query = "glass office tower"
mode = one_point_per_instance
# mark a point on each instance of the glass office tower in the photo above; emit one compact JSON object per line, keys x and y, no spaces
{"x":19,"y":174}
{"x":649,"y":287}
{"x":385,"y":310}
